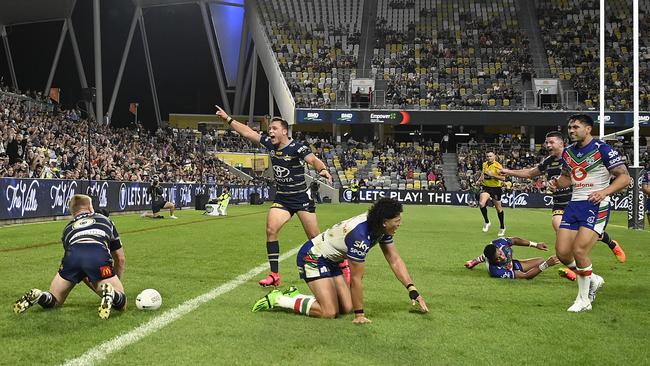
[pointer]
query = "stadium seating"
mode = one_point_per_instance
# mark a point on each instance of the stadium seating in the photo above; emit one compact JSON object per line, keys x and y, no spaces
{"x":316,"y":44}
{"x":450,"y":54}
{"x":35,"y":142}
{"x":571,"y":36}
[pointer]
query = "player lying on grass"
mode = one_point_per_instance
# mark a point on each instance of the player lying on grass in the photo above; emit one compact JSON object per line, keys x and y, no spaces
{"x":318,"y":264}
{"x":85,"y":242}
{"x":498,"y":254}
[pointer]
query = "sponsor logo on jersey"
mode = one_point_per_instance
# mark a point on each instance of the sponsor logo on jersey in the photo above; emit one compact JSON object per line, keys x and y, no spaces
{"x":280,"y":171}
{"x":106,"y":271}
{"x":87,"y":221}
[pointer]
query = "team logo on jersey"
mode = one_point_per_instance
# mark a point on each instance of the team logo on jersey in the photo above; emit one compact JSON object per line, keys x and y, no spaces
{"x":578,"y":173}
{"x":280,"y":171}
{"x":590,"y":160}
{"x":87,"y":221}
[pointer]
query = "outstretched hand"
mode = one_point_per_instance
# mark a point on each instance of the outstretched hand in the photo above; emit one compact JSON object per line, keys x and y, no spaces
{"x":221,"y":113}
{"x":420,"y":301}
{"x":542,"y":246}
{"x":361,"y":320}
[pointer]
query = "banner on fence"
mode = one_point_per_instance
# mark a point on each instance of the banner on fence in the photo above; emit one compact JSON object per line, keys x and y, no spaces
{"x":512,"y":199}
{"x":27,"y":198}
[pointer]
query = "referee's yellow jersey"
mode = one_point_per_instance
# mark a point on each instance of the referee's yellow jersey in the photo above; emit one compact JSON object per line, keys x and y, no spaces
{"x":494,"y":169}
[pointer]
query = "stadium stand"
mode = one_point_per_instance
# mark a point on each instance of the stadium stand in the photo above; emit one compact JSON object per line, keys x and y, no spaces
{"x":316,"y":44}
{"x":36,"y":142}
{"x":570,"y":33}
{"x":383,"y":166}
{"x":450,"y":54}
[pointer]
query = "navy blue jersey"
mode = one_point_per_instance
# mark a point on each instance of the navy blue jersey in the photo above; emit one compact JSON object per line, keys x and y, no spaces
{"x":90,"y":228}
{"x":155,"y":192}
{"x":552,"y":166}
{"x":505,"y":269}
{"x":288,"y":166}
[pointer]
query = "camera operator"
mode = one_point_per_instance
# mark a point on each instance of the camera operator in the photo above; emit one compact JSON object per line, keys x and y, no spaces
{"x":158,"y":202}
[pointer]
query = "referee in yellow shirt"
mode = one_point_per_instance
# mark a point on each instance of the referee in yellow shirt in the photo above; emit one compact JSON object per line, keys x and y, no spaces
{"x":491,"y":183}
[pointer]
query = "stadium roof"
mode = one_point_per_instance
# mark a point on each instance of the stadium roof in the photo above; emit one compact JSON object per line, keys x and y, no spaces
{"x":14,"y":12}
{"x":152,"y":3}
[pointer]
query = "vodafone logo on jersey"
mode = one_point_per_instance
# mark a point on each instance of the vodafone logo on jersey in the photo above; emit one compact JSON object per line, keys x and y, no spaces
{"x":578,"y":173}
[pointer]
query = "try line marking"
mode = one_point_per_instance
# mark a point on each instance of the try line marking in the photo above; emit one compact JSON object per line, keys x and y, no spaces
{"x":102,"y":351}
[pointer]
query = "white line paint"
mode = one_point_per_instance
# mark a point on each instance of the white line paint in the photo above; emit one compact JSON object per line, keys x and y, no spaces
{"x":105,"y":349}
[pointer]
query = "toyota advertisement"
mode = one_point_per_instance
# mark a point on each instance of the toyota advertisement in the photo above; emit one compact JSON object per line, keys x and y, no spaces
{"x":28,"y":198}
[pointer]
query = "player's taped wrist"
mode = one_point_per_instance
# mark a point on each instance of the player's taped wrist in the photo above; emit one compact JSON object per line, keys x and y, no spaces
{"x":321,"y":170}
{"x":414,"y":294}
{"x":532,"y":244}
{"x":543,"y":266}
{"x":229,"y":120}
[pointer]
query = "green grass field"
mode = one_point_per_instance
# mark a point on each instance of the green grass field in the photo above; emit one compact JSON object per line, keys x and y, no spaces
{"x":473,"y":319}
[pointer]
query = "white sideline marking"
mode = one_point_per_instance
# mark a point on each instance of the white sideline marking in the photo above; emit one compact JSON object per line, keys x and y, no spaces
{"x":100,"y":352}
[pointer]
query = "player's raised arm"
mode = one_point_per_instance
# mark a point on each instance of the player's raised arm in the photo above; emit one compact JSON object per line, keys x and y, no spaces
{"x":320,"y":167}
{"x":399,"y":269}
{"x":239,"y":127}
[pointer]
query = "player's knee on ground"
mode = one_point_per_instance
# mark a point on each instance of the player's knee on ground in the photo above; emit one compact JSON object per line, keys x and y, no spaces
{"x":328,"y":313}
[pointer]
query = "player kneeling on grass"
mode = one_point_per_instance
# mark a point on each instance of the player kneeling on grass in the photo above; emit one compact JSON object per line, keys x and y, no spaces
{"x":86,"y":244}
{"x":498,"y":254}
{"x":318,"y":264}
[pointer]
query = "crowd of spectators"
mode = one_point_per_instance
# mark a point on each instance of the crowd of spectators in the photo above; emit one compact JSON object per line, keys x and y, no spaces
{"x":469,"y":63}
{"x":316,"y":45}
{"x":571,"y":38}
{"x":54,"y":144}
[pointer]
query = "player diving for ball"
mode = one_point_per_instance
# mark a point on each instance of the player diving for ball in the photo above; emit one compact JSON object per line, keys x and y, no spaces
{"x":318,"y":264}
{"x":292,"y":193}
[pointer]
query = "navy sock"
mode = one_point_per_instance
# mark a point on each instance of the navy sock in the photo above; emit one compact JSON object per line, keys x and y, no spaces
{"x":273,"y":253}
{"x":607,"y":240}
{"x":119,"y":300}
{"x":500,"y":214}
{"x":47,"y":300}
{"x":484,"y":212}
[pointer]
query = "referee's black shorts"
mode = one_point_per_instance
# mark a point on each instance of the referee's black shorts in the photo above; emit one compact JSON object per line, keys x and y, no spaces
{"x":494,"y":192}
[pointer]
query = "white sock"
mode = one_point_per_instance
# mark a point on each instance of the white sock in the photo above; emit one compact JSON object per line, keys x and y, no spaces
{"x":583,"y":283}
{"x":300,"y":304}
{"x":572,"y":266}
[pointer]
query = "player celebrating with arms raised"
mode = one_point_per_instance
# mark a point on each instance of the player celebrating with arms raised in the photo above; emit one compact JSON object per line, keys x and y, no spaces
{"x":292,"y":192}
{"x":318,"y":264}
{"x":589,"y":165}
